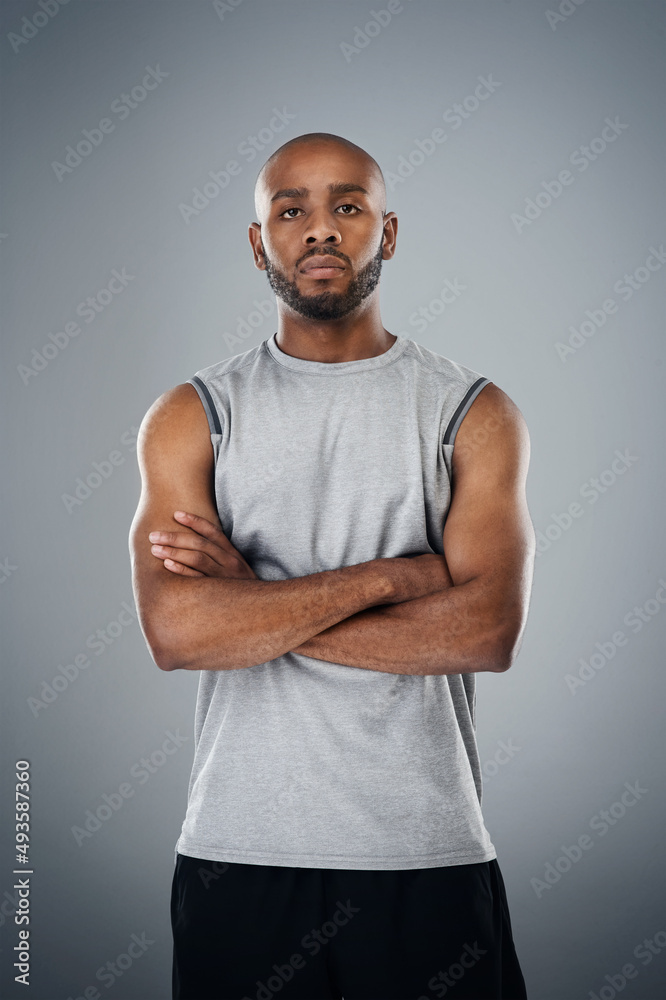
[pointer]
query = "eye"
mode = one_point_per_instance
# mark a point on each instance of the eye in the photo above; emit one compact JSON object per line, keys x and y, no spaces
{"x":355,"y":208}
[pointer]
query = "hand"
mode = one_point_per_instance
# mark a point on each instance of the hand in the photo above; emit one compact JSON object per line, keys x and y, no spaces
{"x":204,"y":550}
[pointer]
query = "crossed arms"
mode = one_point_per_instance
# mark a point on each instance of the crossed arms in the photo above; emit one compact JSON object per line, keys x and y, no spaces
{"x":202,"y":607}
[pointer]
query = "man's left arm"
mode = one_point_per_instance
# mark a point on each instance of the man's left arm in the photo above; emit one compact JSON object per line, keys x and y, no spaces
{"x":477,"y":623}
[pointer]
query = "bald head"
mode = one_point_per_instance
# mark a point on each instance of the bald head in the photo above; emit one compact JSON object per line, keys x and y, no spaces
{"x":319,"y":144}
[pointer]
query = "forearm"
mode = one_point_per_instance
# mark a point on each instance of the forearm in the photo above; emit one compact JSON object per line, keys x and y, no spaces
{"x":455,"y":630}
{"x":226,"y":623}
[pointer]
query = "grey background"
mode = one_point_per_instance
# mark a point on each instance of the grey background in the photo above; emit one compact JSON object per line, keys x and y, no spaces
{"x":67,"y":573}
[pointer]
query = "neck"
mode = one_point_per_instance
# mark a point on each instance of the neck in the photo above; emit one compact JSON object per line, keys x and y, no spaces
{"x":332,"y":340}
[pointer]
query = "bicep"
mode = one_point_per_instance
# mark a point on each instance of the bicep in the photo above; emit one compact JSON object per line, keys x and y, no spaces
{"x":176,"y":462}
{"x":488,"y":534}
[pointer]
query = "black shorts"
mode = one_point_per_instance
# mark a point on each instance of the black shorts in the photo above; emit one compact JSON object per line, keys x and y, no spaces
{"x":259,"y":932}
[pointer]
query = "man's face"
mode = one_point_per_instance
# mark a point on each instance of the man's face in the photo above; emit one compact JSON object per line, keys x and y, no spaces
{"x":299,"y":229}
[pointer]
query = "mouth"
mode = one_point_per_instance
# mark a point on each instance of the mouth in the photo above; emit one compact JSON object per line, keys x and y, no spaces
{"x":322,"y":267}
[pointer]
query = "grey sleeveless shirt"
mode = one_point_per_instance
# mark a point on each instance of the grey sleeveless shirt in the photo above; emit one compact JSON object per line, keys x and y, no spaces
{"x":298,"y":761}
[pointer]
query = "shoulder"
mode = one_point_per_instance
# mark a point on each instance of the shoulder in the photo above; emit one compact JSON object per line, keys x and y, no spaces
{"x":493,"y":433}
{"x":174,"y":407}
{"x":459,"y":375}
{"x":176,"y":421}
{"x":484,"y":407}
{"x":219,"y":369}
{"x":492,"y":406}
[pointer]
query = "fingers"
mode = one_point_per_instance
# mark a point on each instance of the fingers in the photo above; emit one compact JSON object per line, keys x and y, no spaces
{"x":203,"y":546}
{"x":180,"y":569}
{"x":192,"y":558}
{"x":201,"y":525}
{"x":185,"y":541}
{"x":182,"y":539}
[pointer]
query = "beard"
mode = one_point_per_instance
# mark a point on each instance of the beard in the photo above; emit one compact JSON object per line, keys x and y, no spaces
{"x":326,"y":304}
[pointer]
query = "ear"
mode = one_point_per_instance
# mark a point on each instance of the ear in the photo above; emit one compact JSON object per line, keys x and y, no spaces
{"x":254,"y":235}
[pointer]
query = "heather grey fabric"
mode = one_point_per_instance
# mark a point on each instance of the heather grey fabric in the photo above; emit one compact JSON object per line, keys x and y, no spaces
{"x":301,"y":762}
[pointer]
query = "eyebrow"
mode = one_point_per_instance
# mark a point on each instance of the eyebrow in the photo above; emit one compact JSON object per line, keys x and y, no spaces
{"x":339,"y":188}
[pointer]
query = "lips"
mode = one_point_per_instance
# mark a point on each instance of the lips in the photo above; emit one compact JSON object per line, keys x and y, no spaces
{"x":321,"y":261}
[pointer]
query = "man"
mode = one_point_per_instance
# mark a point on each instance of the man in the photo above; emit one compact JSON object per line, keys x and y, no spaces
{"x":333,"y":531}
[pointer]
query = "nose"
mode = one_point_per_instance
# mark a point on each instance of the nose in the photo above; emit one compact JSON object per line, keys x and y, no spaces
{"x":321,"y":228}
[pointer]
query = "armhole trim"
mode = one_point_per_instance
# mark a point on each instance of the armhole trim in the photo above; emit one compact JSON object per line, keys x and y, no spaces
{"x":462,"y":409}
{"x":208,"y":404}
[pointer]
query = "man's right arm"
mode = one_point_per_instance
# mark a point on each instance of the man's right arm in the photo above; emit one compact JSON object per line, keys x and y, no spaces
{"x":232,"y":619}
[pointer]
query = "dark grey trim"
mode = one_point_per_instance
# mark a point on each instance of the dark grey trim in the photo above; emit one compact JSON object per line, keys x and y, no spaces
{"x":462,"y":409}
{"x":208,"y":404}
